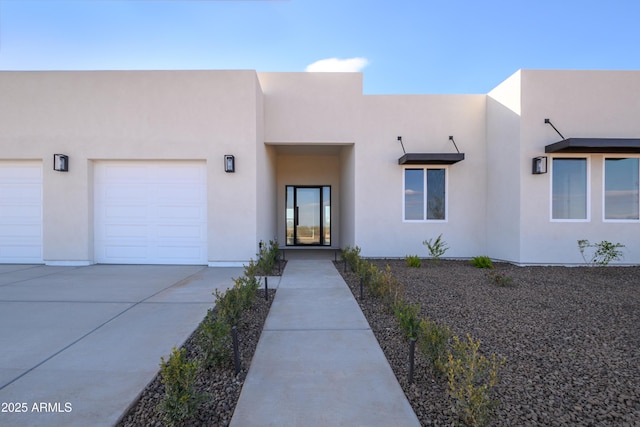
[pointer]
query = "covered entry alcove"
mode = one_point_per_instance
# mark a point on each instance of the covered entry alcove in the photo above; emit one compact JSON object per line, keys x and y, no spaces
{"x":314,"y":194}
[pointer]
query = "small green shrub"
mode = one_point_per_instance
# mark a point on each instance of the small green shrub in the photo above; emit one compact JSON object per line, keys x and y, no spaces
{"x":231,"y":303}
{"x":499,"y":279}
{"x":482,"y":261}
{"x":433,"y":340}
{"x":408,"y":316}
{"x":180,"y":401}
{"x":214,"y":338}
{"x":268,"y":257}
{"x":604,"y":252}
{"x":251,"y":270}
{"x":436,"y":248}
{"x":352,"y":257}
{"x":413,"y":261}
{"x":471,"y":379}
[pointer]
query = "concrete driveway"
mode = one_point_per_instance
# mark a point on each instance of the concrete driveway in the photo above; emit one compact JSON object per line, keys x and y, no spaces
{"x":78,"y":344}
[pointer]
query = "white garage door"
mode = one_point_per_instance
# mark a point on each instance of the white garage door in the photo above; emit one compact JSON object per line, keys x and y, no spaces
{"x":20,"y":212}
{"x":150,"y":212}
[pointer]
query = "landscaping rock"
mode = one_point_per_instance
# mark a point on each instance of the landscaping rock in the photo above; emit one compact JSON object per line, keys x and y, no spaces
{"x":571,"y":337}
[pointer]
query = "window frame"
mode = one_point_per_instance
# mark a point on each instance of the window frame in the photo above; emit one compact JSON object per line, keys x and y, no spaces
{"x":424,"y":169}
{"x":604,"y":188}
{"x":587,"y":159}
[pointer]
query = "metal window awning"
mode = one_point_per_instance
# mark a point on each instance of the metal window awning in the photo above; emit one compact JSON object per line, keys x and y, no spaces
{"x":595,"y":145}
{"x":430,"y":158}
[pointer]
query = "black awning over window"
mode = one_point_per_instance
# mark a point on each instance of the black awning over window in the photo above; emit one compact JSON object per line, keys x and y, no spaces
{"x":430,"y":158}
{"x":594,"y":145}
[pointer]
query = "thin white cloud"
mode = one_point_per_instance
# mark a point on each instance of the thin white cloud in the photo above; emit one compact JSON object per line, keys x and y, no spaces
{"x":337,"y":65}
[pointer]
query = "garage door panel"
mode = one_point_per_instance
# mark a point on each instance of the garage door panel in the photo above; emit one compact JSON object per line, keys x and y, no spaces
{"x":173,"y":254}
{"x":21,"y":192}
{"x":20,"y":212}
{"x":180,"y":232}
{"x":128,"y":231}
{"x":151,"y":212}
{"x":187,"y":213}
{"x":125,"y":213}
{"x":18,"y":251}
{"x":19,"y":231}
{"x":123,"y":192}
{"x":127,"y":253}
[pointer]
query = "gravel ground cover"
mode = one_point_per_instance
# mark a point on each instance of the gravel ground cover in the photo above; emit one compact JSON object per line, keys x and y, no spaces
{"x":571,"y":337}
{"x":221,"y":384}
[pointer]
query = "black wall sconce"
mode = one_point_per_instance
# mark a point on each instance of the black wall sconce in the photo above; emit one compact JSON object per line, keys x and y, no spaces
{"x":61,"y":162}
{"x":539,"y":165}
{"x":229,"y":163}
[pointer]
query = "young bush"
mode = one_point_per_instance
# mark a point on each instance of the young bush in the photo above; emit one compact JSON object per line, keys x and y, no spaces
{"x":433,"y":340}
{"x":214,"y":338}
{"x":471,"y":378}
{"x":352,"y":257}
{"x":408,"y":316}
{"x":482,"y":261}
{"x":180,"y":401}
{"x":604,"y":252}
{"x":268,"y":256}
{"x":499,"y":279}
{"x":436,"y":248}
{"x":251,"y":270}
{"x":230,"y":304}
{"x":413,"y":261}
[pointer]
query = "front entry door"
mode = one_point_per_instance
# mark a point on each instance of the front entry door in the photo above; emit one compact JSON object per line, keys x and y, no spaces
{"x":308,"y":215}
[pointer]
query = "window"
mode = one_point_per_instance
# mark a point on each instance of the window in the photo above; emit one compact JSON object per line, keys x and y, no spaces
{"x":569,"y":193}
{"x":424,"y":194}
{"x":621,"y":177}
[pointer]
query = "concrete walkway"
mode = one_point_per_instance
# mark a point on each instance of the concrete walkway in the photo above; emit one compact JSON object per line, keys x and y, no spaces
{"x":78,"y":344}
{"x":317,"y":362}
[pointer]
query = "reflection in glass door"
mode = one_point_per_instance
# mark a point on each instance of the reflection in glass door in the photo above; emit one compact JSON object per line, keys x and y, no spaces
{"x":308,"y":215}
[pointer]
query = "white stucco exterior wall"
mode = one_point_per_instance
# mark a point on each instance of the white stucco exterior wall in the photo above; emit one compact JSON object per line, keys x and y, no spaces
{"x":134,"y":116}
{"x":601,"y":104}
{"x":425,"y":123}
{"x":319,"y":129}
{"x":311,"y":107}
{"x":503,"y":169}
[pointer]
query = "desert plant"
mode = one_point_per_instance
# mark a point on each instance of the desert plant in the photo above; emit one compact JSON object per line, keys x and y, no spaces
{"x":268,"y":256}
{"x":413,"y":261}
{"x":499,"y":279}
{"x":433,"y":340}
{"x":251,"y":270}
{"x":231,"y":303}
{"x":604,"y":252}
{"x":408,"y":316}
{"x":471,"y":379}
{"x":482,"y":261}
{"x":180,"y":401}
{"x":352,"y":257}
{"x":214,"y":339}
{"x":436,"y":247}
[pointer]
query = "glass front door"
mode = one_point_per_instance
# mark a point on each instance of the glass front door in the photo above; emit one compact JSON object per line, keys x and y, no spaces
{"x":308,"y":215}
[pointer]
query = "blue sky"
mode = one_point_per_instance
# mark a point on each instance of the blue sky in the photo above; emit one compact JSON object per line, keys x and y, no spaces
{"x":401,"y":46}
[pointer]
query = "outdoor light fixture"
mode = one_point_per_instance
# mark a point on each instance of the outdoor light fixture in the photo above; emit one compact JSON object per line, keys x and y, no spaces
{"x":229,"y":163}
{"x":61,"y":163}
{"x":539,"y":165}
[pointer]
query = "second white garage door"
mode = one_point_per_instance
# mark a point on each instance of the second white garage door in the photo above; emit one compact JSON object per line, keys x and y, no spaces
{"x":150,"y":212}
